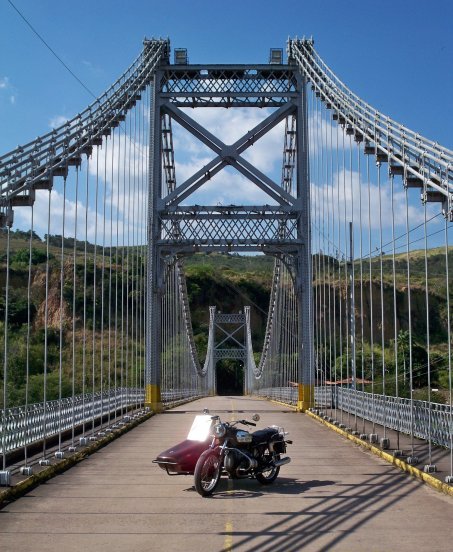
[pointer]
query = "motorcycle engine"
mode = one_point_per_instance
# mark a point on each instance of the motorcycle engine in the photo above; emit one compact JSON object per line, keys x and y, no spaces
{"x":235,"y":461}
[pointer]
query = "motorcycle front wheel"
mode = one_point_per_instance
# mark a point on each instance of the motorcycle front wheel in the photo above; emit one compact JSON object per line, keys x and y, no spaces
{"x":207,"y":472}
{"x":269,"y":475}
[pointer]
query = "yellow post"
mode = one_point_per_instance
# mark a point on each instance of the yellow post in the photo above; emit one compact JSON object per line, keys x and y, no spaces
{"x":306,"y":397}
{"x":152,"y":397}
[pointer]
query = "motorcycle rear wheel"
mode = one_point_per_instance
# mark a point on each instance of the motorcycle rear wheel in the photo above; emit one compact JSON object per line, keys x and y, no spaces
{"x":268,"y":476}
{"x":207,"y":473}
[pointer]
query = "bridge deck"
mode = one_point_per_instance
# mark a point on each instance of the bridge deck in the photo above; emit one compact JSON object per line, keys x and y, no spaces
{"x":333,"y":496}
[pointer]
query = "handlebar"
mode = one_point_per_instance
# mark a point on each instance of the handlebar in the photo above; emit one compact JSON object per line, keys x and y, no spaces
{"x":245,"y":422}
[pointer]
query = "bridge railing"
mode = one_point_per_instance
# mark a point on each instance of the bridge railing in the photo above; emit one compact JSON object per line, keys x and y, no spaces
{"x":422,"y":419}
{"x":25,"y":426}
{"x":22,"y":426}
{"x":419,"y":418}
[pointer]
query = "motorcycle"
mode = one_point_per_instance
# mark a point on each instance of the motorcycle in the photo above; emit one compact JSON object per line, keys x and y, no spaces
{"x":214,"y":448}
{"x":241,"y":454}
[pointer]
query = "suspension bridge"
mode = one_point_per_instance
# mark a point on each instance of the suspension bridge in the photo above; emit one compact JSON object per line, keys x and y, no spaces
{"x":96,"y":314}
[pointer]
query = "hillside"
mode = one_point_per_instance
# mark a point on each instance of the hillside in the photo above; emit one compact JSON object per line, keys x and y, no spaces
{"x":228,"y":282}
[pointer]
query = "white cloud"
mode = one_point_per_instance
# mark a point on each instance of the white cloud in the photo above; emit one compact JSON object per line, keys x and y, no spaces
{"x":4,"y":83}
{"x":57,"y":121}
{"x":95,"y":70}
{"x":349,"y":198}
{"x":228,"y":186}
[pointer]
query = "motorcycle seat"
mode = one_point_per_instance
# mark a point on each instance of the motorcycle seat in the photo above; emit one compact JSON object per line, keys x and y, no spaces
{"x":263,"y":435}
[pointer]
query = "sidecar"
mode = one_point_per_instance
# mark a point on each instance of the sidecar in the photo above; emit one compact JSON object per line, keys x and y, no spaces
{"x":180,"y":459}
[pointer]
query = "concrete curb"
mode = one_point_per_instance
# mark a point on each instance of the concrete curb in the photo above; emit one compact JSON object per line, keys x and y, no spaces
{"x":31,"y":482}
{"x":415,"y":472}
{"x":281,"y":403}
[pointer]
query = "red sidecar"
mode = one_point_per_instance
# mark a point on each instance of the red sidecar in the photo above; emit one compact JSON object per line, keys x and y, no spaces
{"x":180,"y":459}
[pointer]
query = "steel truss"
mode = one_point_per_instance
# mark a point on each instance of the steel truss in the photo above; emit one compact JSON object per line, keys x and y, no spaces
{"x":33,"y":166}
{"x":280,"y":228}
{"x":422,"y":163}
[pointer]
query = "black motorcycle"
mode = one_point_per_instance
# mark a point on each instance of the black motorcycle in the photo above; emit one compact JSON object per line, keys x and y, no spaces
{"x":240,"y":454}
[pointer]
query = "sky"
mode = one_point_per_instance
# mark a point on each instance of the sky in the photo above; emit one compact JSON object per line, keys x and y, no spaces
{"x":396,"y":55}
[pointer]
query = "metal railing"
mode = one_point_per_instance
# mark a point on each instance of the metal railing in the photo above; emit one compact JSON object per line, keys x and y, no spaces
{"x":25,"y":426}
{"x":422,"y":419}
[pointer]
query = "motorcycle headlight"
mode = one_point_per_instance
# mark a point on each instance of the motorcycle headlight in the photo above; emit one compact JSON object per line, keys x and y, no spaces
{"x":219,"y":430}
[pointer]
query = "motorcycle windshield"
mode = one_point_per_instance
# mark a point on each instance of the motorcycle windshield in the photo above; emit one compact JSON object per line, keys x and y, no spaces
{"x":200,"y":429}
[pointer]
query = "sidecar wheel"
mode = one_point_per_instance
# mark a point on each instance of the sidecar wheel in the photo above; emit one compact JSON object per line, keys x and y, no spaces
{"x":266,"y":477}
{"x":207,"y":473}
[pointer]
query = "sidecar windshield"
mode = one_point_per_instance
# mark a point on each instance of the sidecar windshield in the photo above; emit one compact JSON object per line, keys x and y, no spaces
{"x":200,"y":428}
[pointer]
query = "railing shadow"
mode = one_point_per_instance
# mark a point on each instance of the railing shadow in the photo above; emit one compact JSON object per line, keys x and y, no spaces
{"x":325,"y":520}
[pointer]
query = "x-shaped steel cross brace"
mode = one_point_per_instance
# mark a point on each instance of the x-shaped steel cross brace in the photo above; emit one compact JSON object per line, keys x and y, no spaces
{"x":228,"y":155}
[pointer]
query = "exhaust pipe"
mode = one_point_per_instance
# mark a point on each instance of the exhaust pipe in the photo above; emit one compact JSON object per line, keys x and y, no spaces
{"x":282,"y":461}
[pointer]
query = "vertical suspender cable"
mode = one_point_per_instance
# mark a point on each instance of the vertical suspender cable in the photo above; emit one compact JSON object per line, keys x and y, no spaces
{"x":5,"y":351}
{"x":373,"y":406}
{"x":329,"y":261}
{"x":133,"y":269}
{"x":449,"y":338}
{"x":427,"y":336}
{"x":346,"y":302}
{"x":325,"y":252}
{"x":340,"y":294}
{"x":319,"y":169}
{"x":382,"y":299}
{"x":128,"y":246}
{"x":118,"y":267}
{"x":333,"y":275}
{"x":104,"y":211}
{"x":142,"y":250}
{"x":46,"y":333}
{"x":353,"y":383}
{"x":74,"y":286}
{"x":60,"y":364}
{"x":409,"y":314}
{"x":93,"y":335}
{"x":27,"y":362}
{"x":352,"y":323}
{"x":123,"y":294}
{"x":110,"y":298}
{"x":85,"y":301}
{"x":317,"y":317}
{"x":395,"y":320}
{"x":362,"y":329}
{"x":137,"y":259}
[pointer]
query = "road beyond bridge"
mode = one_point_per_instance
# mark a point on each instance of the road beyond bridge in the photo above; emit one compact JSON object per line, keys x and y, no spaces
{"x":332,"y":496}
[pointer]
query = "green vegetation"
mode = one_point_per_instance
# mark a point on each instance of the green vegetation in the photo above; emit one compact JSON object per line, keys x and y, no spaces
{"x":93,"y":330}
{"x":228,"y":282}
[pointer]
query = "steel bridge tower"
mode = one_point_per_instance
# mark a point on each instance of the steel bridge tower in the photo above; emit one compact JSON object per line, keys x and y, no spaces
{"x":176,"y":228}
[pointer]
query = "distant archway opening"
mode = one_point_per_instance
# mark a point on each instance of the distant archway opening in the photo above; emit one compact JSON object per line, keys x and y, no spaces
{"x":230,"y":377}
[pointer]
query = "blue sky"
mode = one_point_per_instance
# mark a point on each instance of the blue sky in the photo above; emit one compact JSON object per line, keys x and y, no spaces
{"x":397,"y":55}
